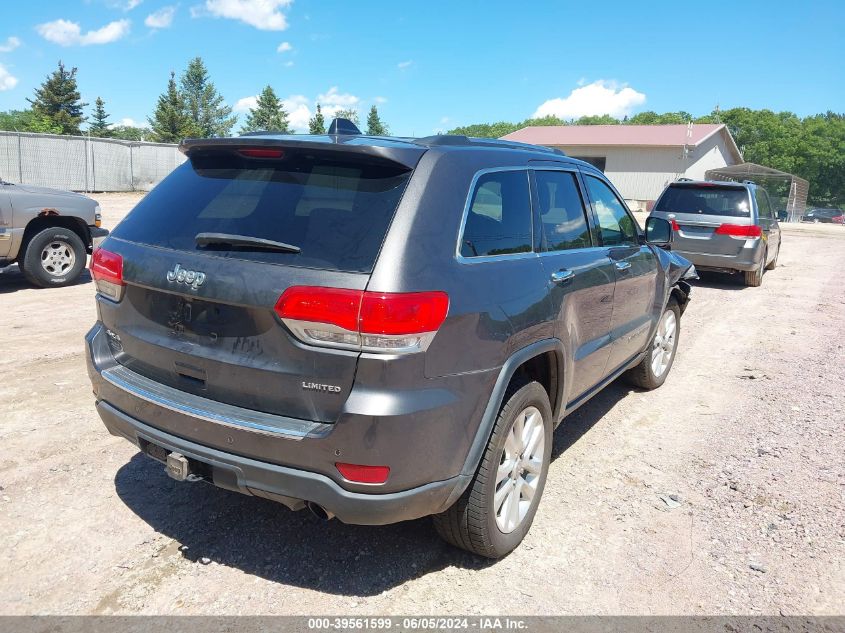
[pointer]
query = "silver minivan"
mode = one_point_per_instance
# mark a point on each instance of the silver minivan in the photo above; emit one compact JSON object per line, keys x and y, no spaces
{"x":724,"y":227}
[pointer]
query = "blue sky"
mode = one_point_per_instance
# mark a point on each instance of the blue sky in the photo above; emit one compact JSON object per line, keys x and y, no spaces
{"x":433,"y":65}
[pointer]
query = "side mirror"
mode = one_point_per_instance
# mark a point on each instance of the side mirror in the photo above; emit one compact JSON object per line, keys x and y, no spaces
{"x":658,"y":232}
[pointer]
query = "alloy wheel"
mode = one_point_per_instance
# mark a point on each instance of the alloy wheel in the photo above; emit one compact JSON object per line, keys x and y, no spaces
{"x":519,"y":469}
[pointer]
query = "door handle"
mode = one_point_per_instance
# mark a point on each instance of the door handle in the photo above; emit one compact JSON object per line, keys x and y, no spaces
{"x":622,"y":266}
{"x":562,"y":276}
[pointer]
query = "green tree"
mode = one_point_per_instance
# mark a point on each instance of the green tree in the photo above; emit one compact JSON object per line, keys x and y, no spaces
{"x":375,"y":126}
{"x":59,"y":100}
{"x":317,"y":123}
{"x":170,"y":122}
{"x":204,"y":105}
{"x":603,"y":119}
{"x":132,"y":133}
{"x":268,"y":114}
{"x":99,"y":124}
{"x":349,"y":113}
{"x":28,"y":121}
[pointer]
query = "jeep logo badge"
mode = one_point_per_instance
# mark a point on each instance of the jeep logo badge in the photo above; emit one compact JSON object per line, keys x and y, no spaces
{"x":192,"y":278}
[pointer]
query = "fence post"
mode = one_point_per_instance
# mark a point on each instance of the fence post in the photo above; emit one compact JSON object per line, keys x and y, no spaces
{"x":20,"y":160}
{"x":86,"y":164}
{"x":131,"y":169}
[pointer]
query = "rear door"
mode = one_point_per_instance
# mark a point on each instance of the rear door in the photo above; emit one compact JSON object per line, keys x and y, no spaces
{"x":635,"y":264}
{"x":768,"y":223}
{"x":698,"y":210}
{"x":581,"y":276}
{"x":200,"y":318}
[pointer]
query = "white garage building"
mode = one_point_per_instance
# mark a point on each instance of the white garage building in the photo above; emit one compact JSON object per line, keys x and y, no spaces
{"x":641,"y":159}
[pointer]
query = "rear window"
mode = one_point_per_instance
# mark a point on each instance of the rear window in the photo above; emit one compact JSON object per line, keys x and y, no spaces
{"x":336,"y":211}
{"x":709,"y":200}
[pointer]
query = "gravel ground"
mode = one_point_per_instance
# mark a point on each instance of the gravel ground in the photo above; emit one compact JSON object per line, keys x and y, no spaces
{"x":723,"y":492}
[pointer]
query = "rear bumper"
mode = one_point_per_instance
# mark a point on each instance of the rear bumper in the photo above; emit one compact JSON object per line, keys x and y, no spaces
{"x":291,"y":486}
{"x":292,"y":461}
{"x":98,"y":234}
{"x":748,"y":259}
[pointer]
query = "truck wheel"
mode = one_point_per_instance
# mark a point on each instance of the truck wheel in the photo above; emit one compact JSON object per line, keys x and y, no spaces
{"x":494,"y":513}
{"x":754,"y":278}
{"x":654,"y":368}
{"x":53,"y":257}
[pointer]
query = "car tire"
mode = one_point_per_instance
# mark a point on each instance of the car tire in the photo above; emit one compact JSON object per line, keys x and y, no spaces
{"x":773,"y":264}
{"x":54,"y":257}
{"x":474,"y":523}
{"x":660,"y":355}
{"x":754,"y":278}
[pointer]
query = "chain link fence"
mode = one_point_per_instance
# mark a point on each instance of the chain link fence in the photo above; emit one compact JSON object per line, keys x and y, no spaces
{"x":81,"y":163}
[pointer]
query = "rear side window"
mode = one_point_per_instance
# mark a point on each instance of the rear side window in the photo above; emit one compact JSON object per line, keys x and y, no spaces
{"x":562,"y":217}
{"x":763,"y":208}
{"x":498,"y":221}
{"x":706,"y":200}
{"x":335,"y":210}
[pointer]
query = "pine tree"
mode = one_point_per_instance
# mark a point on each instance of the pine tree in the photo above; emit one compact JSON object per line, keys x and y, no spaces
{"x":267,"y":115}
{"x":99,"y":125}
{"x":350,"y":114}
{"x":375,"y":127}
{"x":170,"y":123}
{"x":317,"y":123}
{"x":204,"y":105}
{"x":59,"y":100}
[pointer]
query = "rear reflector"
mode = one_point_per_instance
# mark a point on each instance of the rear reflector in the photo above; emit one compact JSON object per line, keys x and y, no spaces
{"x":107,"y":271}
{"x":363,"y":474}
{"x":370,"y":321}
{"x":261,"y":152}
{"x":740,"y":230}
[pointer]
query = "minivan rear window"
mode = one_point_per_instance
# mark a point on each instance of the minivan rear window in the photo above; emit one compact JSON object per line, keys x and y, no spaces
{"x":336,"y":210}
{"x":705,"y":200}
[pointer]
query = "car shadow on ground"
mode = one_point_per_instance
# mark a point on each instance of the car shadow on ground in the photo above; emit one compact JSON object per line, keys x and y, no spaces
{"x":265,"y":539}
{"x":720,"y":281}
{"x":12,"y":280}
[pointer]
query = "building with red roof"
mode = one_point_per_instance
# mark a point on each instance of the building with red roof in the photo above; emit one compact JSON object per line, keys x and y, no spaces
{"x":641,"y":159}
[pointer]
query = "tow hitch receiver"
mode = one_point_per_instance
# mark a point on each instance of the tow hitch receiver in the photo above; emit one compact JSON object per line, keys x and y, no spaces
{"x":177,"y":466}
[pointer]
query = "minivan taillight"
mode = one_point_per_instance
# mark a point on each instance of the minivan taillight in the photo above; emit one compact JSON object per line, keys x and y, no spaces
{"x":107,"y":271}
{"x":362,"y":320}
{"x":744,"y":231}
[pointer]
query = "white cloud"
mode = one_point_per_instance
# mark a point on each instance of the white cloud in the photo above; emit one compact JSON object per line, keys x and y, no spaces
{"x":333,"y":100}
{"x":161,"y":19}
{"x":131,"y":4}
{"x":265,"y":15}
{"x":298,"y":112}
{"x":288,"y":64}
{"x":66,"y":33}
{"x":11,"y":44}
{"x":284,"y":47}
{"x":380,"y":100}
{"x":245,"y":104}
{"x":7,"y":81}
{"x":597,"y":98}
{"x":126,"y":122}
{"x":404,"y":65}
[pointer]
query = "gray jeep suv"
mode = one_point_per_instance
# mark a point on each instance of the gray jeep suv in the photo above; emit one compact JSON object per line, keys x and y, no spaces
{"x":375,"y":328}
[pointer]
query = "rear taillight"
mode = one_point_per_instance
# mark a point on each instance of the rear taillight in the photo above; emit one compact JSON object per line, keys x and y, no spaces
{"x":107,"y":271}
{"x":744,"y":231}
{"x":675,"y":225}
{"x":361,"y":474}
{"x":261,"y":152}
{"x":369,"y":321}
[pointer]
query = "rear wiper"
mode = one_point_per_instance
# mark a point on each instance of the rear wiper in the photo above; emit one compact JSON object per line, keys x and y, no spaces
{"x":243,"y":241}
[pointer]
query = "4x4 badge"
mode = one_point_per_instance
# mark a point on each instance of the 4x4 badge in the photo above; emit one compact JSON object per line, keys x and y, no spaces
{"x":194,"y":278}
